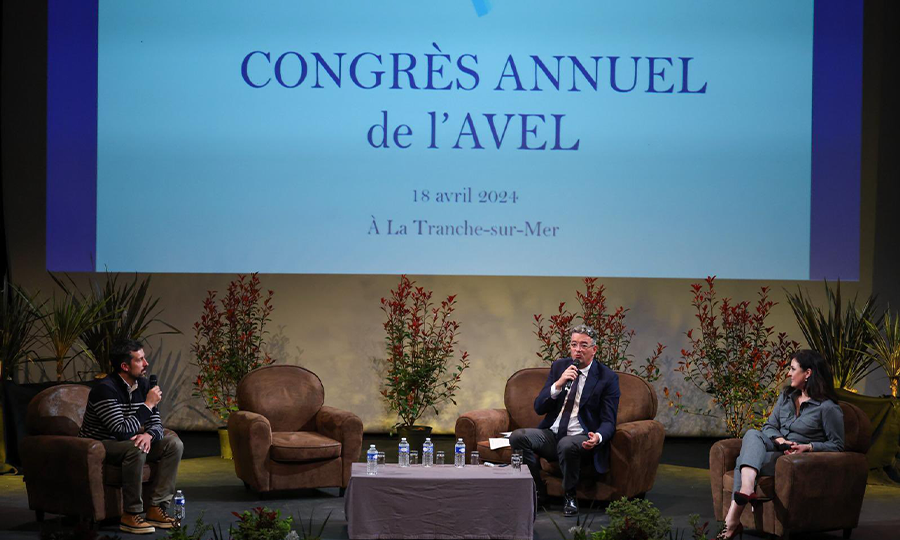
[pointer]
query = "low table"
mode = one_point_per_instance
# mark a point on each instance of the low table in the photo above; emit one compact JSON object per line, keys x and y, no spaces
{"x":440,"y":502}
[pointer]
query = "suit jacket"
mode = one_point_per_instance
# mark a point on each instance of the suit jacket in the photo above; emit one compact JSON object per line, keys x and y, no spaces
{"x":597,"y":409}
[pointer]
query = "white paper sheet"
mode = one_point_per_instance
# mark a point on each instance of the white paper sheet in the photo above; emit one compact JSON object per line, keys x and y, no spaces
{"x":498,"y":442}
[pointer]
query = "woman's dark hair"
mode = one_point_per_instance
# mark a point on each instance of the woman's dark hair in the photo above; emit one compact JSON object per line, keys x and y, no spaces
{"x":121,"y":353}
{"x":820,"y":385}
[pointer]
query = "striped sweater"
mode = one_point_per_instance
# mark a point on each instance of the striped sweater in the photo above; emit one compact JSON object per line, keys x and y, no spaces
{"x":114,"y":413}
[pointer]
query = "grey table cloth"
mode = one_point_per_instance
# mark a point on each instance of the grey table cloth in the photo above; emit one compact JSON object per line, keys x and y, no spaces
{"x":440,"y":502}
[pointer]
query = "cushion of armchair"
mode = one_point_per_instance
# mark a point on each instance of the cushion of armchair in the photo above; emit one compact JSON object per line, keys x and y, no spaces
{"x":722,"y":459}
{"x":821,"y":491}
{"x":476,"y":427}
{"x":250,"y":435}
{"x":346,"y":428}
{"x":303,"y":446}
{"x":64,"y":474}
{"x":500,"y":455}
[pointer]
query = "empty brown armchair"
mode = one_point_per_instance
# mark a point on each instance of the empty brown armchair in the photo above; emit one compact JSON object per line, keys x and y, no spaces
{"x":636,"y":446}
{"x":283,"y":437}
{"x":65,"y":473}
{"x":818,"y":491}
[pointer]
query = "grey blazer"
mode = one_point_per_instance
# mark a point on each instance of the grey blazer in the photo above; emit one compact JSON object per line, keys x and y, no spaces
{"x":820,"y":423}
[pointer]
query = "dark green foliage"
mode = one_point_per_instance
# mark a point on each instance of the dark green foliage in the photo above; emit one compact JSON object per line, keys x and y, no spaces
{"x":124,"y":311}
{"x":19,"y":315}
{"x":635,"y":519}
{"x":64,"y":321}
{"x":261,"y":524}
{"x":839,"y":334}
{"x":306,"y":531}
{"x":181,"y":531}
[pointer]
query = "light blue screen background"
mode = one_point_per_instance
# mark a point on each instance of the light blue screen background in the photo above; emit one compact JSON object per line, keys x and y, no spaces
{"x":199,"y":172}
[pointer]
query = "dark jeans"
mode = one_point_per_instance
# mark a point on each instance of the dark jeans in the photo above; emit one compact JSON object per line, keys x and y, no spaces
{"x":166,"y":453}
{"x":543,"y":443}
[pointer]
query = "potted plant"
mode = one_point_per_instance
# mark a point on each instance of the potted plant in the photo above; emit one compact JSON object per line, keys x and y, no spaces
{"x":126,"y":311}
{"x":228,"y":344}
{"x":614,"y":336}
{"x":422,"y":368}
{"x":64,"y":322}
{"x":884,"y":412}
{"x":839,"y":334}
{"x":20,"y":314}
{"x":19,"y":317}
{"x":734,"y":358}
{"x":885,"y":348}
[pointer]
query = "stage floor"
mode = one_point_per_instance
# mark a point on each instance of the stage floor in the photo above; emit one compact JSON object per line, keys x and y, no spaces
{"x":210,"y":486}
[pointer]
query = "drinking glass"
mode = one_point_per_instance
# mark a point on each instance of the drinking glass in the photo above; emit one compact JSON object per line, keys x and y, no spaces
{"x":413,"y":457}
{"x":516,"y":460}
{"x":439,"y":457}
{"x":474,"y":458}
{"x":379,"y":461}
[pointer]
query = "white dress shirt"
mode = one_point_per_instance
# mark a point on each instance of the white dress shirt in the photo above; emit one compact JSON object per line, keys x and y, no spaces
{"x":132,"y":388}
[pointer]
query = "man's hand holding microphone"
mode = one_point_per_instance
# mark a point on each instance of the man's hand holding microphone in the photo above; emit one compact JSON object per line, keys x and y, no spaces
{"x":568,"y":377}
{"x":154,"y":396}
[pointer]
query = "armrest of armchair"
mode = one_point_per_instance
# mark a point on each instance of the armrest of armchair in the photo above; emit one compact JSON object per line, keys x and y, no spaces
{"x":64,"y":474}
{"x":345,"y":427}
{"x":821,"y":490}
{"x":250,"y":436}
{"x":480,"y":425}
{"x":722,"y":458}
{"x":634,"y":455}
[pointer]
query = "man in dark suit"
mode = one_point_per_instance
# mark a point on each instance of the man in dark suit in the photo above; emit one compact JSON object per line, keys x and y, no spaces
{"x":580,"y":401}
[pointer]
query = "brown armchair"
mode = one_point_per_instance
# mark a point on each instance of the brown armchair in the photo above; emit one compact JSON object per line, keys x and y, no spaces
{"x":64,"y":473}
{"x":810,"y":492}
{"x":636,"y":446}
{"x":284,"y":438}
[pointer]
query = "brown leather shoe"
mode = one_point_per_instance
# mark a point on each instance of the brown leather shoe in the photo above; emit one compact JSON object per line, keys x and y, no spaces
{"x":158,"y":517}
{"x":135,"y":524}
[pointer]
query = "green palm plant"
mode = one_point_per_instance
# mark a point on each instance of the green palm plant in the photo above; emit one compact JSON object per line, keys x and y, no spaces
{"x":840,"y":334}
{"x":64,"y":321}
{"x":127,"y":310}
{"x":885,"y":348}
{"x":19,"y":316}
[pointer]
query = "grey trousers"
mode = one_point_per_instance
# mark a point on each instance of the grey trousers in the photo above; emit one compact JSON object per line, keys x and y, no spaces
{"x":543,"y":443}
{"x":757,"y":451}
{"x":166,"y":453}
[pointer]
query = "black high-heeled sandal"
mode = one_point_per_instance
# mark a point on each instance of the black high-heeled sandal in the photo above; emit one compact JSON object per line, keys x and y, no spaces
{"x":738,"y":531}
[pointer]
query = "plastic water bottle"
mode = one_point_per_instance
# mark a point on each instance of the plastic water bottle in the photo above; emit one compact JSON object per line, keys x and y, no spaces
{"x":459,"y":453}
{"x":404,"y":453}
{"x":428,"y":453}
{"x":178,"y":511}
{"x":371,"y":460}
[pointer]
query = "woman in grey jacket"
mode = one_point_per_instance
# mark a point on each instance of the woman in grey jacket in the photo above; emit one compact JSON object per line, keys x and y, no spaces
{"x":806,"y":418}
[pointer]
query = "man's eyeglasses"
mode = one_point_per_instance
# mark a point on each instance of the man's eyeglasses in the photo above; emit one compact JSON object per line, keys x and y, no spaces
{"x":584,"y":345}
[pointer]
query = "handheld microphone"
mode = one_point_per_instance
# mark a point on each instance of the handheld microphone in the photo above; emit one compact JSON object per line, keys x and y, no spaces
{"x":153,"y":380}
{"x":569,"y":383}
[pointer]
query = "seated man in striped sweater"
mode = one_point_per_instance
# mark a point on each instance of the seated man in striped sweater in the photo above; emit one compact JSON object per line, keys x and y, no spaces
{"x":122,"y":413}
